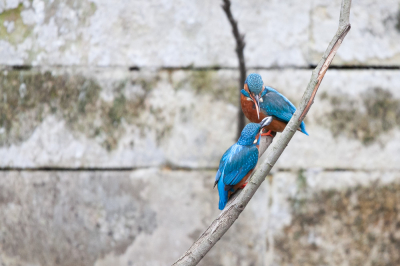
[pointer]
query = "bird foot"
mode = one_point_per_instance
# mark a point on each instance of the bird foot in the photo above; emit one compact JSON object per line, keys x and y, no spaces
{"x":270,"y":133}
{"x":244,"y":184}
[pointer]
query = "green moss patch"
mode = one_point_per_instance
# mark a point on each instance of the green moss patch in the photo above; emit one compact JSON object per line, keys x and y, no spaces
{"x":208,"y":82}
{"x":27,"y":97}
{"x":364,"y":119}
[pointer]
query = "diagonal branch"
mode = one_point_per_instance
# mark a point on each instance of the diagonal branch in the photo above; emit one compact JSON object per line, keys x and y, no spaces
{"x":344,"y":28}
{"x":213,"y":233}
{"x":240,"y":44}
{"x":228,"y":216}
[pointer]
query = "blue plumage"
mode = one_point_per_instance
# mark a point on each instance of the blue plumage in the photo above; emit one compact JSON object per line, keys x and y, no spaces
{"x":255,"y":82}
{"x":277,"y":105}
{"x":223,"y":195}
{"x":238,"y":161}
{"x":269,"y":101}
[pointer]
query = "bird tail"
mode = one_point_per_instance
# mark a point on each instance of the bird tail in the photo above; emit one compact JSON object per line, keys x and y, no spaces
{"x":223,"y":194}
{"x":303,"y":128}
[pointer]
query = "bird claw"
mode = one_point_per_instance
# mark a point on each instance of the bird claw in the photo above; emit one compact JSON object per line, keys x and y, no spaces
{"x":244,"y":184}
{"x":270,"y":133}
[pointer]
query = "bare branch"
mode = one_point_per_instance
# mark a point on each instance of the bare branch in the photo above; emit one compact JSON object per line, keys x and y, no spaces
{"x":344,"y":28}
{"x":228,"y":216}
{"x":219,"y":226}
{"x":240,"y":44}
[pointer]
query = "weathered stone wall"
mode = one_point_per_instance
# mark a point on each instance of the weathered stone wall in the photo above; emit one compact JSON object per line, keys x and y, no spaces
{"x":114,"y":115}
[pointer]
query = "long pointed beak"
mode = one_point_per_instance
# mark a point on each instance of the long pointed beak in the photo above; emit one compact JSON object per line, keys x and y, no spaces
{"x":266,"y":121}
{"x":257,"y":139}
{"x":256,"y":100}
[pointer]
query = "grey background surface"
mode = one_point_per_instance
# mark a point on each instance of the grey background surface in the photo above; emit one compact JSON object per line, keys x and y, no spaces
{"x":114,"y":115}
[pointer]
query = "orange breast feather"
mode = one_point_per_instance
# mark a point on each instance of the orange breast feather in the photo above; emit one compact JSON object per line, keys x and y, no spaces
{"x":249,"y":110}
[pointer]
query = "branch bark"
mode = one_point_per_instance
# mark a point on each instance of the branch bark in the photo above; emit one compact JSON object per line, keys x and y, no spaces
{"x":232,"y":211}
{"x":240,"y":44}
{"x":220,"y":225}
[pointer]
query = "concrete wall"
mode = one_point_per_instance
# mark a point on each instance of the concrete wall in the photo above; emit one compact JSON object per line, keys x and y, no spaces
{"x":114,"y":115}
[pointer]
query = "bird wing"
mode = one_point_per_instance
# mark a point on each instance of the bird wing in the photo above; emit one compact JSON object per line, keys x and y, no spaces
{"x":222,"y":163}
{"x":240,"y":161}
{"x":277,"y":105}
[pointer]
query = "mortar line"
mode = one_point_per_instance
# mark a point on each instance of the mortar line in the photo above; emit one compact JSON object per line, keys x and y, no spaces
{"x":134,"y":68}
{"x":173,"y":168}
{"x":99,"y":169}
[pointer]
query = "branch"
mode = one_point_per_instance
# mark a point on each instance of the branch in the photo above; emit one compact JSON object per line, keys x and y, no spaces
{"x":240,"y":44}
{"x":228,"y":216}
{"x":344,"y":28}
{"x":219,"y":226}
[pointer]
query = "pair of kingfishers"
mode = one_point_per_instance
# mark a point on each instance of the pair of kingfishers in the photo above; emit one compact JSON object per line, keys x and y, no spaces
{"x":268,"y":110}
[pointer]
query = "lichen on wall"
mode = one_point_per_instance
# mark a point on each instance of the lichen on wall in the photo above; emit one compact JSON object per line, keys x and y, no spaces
{"x":12,"y":28}
{"x":32,"y":31}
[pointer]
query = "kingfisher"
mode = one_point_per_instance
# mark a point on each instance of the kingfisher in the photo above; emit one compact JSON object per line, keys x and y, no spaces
{"x":259,"y":101}
{"x":239,"y":161}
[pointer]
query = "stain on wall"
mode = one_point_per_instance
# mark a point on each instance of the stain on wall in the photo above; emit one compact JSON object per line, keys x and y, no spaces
{"x":358,"y":226}
{"x":51,"y":218}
